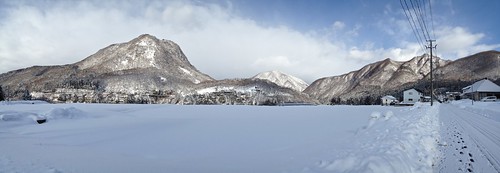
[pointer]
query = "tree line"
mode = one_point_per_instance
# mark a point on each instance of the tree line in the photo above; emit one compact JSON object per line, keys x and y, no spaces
{"x":366,"y":100}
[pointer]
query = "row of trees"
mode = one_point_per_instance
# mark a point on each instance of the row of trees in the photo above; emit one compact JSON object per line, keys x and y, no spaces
{"x":367,"y":100}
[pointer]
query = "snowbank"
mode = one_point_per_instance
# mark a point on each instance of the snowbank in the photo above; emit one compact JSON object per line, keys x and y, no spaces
{"x":23,"y":102}
{"x":65,"y":113}
{"x":25,"y":117}
{"x":489,"y":110}
{"x":406,"y":142}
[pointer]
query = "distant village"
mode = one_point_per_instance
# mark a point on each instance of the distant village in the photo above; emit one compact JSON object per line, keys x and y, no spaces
{"x":482,"y":90}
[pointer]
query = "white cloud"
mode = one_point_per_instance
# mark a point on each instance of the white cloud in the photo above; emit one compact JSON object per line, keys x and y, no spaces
{"x":360,"y":54}
{"x":354,"y":31}
{"x":338,"y":25}
{"x":274,"y":61}
{"x":215,"y":40}
{"x":457,"y":42}
{"x":453,"y":42}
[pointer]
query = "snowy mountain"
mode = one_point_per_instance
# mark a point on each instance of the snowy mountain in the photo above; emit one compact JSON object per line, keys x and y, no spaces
{"x":392,"y":77}
{"x":481,"y":65}
{"x":142,"y":67}
{"x":144,"y":52}
{"x":149,"y":70}
{"x":284,"y":80}
{"x":373,"y":79}
{"x":143,"y":70}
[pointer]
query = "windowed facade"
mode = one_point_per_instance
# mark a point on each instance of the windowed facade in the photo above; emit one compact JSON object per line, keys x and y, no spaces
{"x":411,"y":96}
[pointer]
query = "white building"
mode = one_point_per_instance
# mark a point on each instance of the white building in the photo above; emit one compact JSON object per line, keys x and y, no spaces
{"x":388,"y":99}
{"x":481,"y":89}
{"x":411,"y":96}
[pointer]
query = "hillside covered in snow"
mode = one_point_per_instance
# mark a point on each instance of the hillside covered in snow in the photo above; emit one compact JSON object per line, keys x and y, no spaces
{"x":284,"y":80}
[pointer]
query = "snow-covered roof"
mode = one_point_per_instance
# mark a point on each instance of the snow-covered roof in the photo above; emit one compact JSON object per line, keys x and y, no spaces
{"x":414,"y":90}
{"x":484,"y":85}
{"x":389,"y":97}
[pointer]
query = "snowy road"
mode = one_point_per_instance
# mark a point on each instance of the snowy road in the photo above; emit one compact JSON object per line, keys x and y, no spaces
{"x":472,"y":138}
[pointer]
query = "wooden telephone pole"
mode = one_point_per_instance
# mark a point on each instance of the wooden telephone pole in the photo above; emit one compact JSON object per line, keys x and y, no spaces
{"x":432,"y":85}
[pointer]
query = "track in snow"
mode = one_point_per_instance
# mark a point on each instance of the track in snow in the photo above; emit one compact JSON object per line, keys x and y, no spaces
{"x":471,"y":141}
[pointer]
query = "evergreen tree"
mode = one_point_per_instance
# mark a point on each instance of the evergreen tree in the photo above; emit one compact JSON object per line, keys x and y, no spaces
{"x":26,"y":95}
{"x":2,"y":97}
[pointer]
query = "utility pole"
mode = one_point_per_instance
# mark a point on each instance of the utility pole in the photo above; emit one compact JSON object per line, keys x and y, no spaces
{"x":432,"y":86}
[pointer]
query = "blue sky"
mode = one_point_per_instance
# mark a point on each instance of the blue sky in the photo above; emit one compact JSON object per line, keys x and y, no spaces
{"x":240,"y":38}
{"x":476,"y":17}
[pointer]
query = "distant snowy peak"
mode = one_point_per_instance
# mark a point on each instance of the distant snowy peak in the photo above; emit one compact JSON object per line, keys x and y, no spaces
{"x":283,"y":80}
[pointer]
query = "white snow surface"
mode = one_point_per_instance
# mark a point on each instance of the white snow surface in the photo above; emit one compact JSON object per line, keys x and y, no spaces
{"x":149,"y":52}
{"x":405,"y":141}
{"x":185,"y":71}
{"x":175,"y":138}
{"x":284,"y":80}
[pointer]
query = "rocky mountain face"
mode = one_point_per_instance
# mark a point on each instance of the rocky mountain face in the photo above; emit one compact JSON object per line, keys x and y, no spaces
{"x":282,"y":79}
{"x":392,"y":77}
{"x":143,"y":70}
{"x":150,"y":70}
{"x":373,"y":79}
{"x":477,"y":66}
{"x":145,"y":52}
{"x":465,"y":71}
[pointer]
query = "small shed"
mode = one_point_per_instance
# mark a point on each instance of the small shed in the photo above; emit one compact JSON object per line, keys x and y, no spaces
{"x":481,"y":89}
{"x":412,"y":96}
{"x":389,"y":100}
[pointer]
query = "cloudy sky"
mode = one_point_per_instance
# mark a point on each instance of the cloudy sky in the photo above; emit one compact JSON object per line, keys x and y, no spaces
{"x":240,"y":38}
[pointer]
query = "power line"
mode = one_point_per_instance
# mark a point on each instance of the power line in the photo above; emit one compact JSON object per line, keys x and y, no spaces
{"x":418,"y":18}
{"x":432,"y":20}
{"x":413,"y":26}
{"x":418,"y":15}
{"x":421,"y":16}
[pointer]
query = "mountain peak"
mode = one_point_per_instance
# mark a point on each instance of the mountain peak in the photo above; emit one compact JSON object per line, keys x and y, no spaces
{"x":147,"y":36}
{"x":145,"y":51}
{"x":141,"y":53}
{"x":145,"y":39}
{"x":283,"y":80}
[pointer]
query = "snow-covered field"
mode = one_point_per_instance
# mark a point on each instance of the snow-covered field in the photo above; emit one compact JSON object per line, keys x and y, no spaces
{"x":173,"y":138}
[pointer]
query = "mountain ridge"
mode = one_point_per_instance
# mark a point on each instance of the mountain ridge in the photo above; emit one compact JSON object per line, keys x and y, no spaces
{"x":392,"y":77}
{"x":283,"y":79}
{"x":142,"y":70}
{"x":372,"y":77}
{"x":149,"y":70}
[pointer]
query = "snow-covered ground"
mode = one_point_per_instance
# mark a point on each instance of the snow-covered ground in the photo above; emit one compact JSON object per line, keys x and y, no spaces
{"x":173,"y":138}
